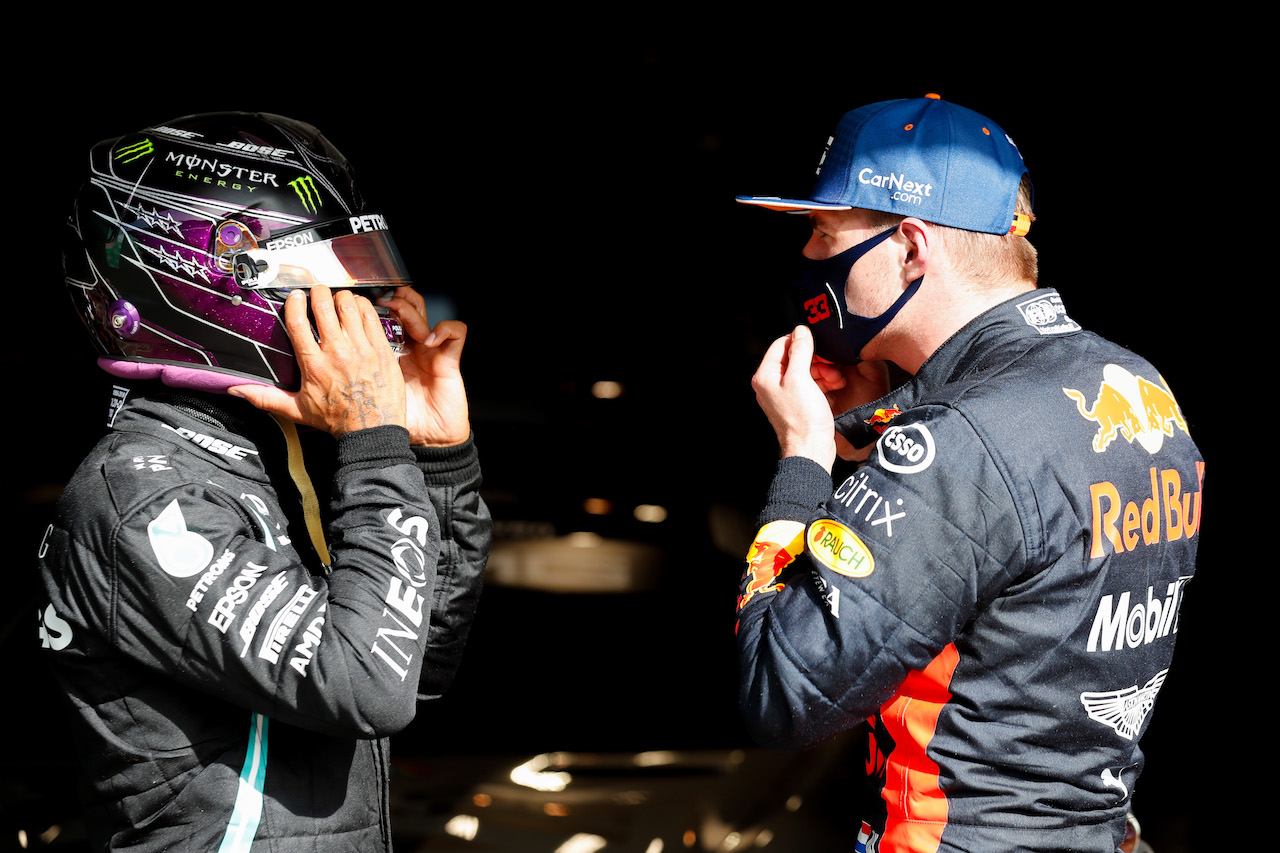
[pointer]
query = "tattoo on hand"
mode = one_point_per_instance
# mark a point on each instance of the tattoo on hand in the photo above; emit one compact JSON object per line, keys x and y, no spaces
{"x":361,"y":405}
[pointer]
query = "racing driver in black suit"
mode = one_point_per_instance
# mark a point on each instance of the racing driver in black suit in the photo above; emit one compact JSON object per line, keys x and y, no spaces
{"x":995,"y":590}
{"x":278,"y":547}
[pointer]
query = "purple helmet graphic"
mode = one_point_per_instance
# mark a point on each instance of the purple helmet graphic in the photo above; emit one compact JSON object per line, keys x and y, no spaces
{"x":188,"y":235}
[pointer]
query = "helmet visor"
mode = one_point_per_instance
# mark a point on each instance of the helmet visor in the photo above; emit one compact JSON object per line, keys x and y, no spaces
{"x":317,"y":256}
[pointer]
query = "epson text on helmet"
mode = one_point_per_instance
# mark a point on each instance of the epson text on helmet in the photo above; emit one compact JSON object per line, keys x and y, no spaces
{"x":288,"y":241}
{"x":903,"y":190}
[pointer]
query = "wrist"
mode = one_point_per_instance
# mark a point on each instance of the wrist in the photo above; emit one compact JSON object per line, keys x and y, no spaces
{"x":816,"y":450}
{"x":450,"y":439}
{"x":456,"y":465}
{"x":378,"y":446}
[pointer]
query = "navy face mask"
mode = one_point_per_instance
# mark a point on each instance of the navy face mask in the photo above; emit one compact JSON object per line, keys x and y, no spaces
{"x":838,"y":335}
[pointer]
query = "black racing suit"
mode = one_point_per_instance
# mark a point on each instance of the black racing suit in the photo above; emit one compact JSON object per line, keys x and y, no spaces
{"x":231,"y":691}
{"x":995,"y":591}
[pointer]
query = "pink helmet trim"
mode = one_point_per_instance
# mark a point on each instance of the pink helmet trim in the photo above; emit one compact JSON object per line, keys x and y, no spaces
{"x":177,"y":376}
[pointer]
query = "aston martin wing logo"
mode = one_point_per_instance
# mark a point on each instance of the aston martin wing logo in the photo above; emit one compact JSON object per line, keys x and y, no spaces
{"x":1124,"y":709}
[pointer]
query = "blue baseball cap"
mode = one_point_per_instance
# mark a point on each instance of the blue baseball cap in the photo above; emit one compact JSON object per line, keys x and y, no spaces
{"x":921,"y":157}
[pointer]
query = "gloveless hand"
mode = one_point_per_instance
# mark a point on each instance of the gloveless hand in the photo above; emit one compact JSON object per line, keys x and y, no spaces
{"x":796,"y":407}
{"x":349,"y":378}
{"x":848,"y":386}
{"x":436,"y":398}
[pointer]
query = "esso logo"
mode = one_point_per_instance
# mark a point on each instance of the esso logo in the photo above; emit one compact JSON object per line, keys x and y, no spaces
{"x":906,"y":449}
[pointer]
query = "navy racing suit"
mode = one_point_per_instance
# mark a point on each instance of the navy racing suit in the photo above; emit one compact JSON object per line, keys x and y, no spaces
{"x":995,"y":592}
{"x":232,"y":691}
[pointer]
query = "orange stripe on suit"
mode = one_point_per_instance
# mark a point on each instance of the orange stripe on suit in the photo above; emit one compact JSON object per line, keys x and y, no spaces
{"x":915,"y":803}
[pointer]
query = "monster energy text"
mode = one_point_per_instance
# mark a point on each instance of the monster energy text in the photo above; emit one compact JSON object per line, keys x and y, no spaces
{"x":218,"y":169}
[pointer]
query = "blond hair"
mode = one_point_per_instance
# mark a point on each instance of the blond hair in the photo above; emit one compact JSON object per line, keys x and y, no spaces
{"x":989,"y":260}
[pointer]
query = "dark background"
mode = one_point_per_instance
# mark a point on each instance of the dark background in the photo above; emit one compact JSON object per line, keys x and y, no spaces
{"x":572,"y":197}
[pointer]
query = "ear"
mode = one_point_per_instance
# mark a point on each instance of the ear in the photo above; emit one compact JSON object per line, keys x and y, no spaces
{"x":921,"y":245}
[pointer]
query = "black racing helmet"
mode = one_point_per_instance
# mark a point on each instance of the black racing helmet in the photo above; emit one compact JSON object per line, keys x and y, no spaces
{"x":188,"y":235}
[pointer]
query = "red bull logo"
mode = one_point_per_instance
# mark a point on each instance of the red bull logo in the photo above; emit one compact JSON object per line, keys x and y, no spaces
{"x":1131,"y":407}
{"x":777,"y":545}
{"x":1162,"y":410}
{"x":882,"y":418}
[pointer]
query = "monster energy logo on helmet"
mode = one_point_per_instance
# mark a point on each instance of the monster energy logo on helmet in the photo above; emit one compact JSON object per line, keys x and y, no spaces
{"x":305,"y":187}
{"x":129,"y":153}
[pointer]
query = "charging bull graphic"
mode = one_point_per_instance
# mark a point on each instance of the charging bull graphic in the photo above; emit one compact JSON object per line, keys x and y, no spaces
{"x":1131,"y":407}
{"x":1162,"y":410}
{"x":882,"y":418}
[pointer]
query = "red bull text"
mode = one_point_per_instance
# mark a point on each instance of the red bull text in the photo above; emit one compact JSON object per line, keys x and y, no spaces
{"x":1166,"y":515}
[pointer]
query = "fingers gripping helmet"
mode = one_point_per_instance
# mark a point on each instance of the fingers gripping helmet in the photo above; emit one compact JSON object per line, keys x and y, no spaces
{"x":187,"y":237}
